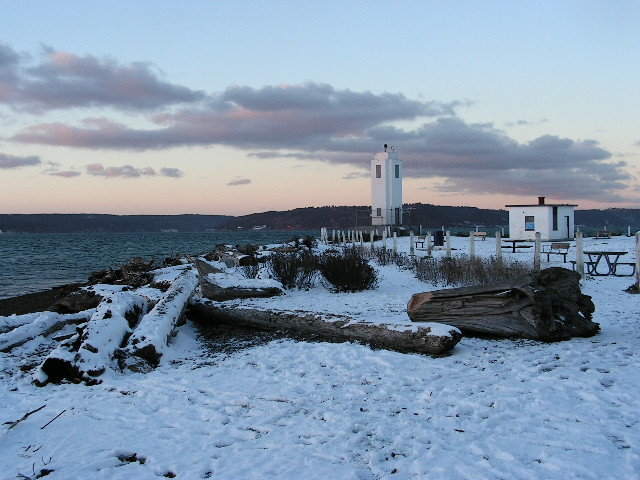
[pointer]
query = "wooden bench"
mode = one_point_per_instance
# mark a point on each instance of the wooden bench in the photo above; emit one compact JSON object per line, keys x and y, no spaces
{"x":556,"y":249}
{"x":482,"y":235}
{"x":603,"y":234}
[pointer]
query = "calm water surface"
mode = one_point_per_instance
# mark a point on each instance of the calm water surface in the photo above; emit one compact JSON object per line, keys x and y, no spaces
{"x":36,"y":262}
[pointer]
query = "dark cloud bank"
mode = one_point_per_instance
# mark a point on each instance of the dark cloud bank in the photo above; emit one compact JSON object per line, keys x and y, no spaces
{"x":310,"y":121}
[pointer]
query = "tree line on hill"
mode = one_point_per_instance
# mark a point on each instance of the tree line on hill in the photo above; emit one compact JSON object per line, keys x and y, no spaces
{"x":309,"y":218}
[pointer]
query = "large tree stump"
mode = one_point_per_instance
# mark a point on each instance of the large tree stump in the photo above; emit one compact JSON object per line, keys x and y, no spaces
{"x":545,"y":306}
{"x":430,"y":339}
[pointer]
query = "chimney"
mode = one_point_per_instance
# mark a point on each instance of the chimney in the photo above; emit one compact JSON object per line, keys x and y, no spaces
{"x":540,"y":200}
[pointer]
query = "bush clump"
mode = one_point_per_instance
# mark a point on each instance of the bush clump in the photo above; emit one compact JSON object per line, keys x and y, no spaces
{"x":294,"y":270}
{"x":463,"y":270}
{"x":348,"y":272}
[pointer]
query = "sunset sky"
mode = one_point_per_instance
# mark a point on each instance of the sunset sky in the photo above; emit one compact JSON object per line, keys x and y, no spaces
{"x":152,"y":107}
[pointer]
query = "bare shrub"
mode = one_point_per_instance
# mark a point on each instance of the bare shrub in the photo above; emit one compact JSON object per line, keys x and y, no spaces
{"x":250,"y":271}
{"x":348,"y":271}
{"x":462,"y":270}
{"x":294,"y":270}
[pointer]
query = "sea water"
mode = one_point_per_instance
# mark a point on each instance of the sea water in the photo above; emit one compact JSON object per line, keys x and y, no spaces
{"x":35,"y":262}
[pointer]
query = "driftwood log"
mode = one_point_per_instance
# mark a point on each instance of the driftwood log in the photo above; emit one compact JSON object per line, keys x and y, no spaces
{"x":44,"y":324}
{"x":149,"y":339}
{"x":215,"y":291}
{"x":88,"y":353}
{"x":546,"y":306}
{"x":404,"y":338}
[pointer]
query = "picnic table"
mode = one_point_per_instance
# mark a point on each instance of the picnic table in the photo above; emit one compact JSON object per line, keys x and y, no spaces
{"x":515,"y":244}
{"x":611,"y":260}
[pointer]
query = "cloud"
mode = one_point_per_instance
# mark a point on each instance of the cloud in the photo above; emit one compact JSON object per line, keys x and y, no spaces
{"x":520,"y":123}
{"x":316,"y":121}
{"x":65,"y":173}
{"x":354,"y":175}
{"x":14,"y":161}
{"x":129,"y":171}
{"x":267,"y":118}
{"x":60,"y":79}
{"x":171,"y":172}
{"x":239,"y":181}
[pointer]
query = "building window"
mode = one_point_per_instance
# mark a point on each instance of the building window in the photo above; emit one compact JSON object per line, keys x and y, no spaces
{"x":378,"y":171}
{"x":555,"y":219}
{"x":529,"y":223}
{"x":397,"y":171}
{"x":378,"y":212}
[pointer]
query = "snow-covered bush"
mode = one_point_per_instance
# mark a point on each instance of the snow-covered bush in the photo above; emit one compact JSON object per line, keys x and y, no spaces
{"x":348,"y":272}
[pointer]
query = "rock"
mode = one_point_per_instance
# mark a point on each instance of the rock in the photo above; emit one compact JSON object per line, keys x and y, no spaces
{"x":546,"y":306}
{"x":77,"y":302}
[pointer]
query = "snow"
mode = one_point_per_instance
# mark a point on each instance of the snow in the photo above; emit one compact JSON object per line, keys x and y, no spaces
{"x":237,"y":280}
{"x":297,"y":410}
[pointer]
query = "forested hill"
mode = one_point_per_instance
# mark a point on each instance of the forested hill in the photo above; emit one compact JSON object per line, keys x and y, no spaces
{"x":84,"y":223}
{"x":310,"y":218}
{"x":429,"y":216}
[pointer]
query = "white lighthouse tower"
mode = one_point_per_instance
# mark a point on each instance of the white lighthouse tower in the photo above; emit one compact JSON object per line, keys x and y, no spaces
{"x":386,"y":188}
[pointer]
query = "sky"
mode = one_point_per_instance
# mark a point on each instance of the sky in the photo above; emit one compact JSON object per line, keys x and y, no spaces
{"x":161,"y":107}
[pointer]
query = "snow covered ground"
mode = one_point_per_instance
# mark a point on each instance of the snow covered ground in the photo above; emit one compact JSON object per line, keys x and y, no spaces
{"x":296,"y":410}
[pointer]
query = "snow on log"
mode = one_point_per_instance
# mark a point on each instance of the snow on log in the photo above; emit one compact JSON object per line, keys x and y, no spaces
{"x":91,"y":350}
{"x":547,"y":306}
{"x":44,"y":324}
{"x":430,"y":339}
{"x":220,"y":285}
{"x":150,"y":337}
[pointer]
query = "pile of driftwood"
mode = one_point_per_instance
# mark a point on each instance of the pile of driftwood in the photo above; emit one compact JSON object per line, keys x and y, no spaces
{"x":124,"y":327}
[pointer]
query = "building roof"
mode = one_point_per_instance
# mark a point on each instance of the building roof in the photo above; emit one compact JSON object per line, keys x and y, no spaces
{"x":544,"y":205}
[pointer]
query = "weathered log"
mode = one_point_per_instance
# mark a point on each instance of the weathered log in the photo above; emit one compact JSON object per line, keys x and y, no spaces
{"x":217,"y":285}
{"x":45,"y":324}
{"x":149,"y":340}
{"x":430,"y":339}
{"x":545,"y":306}
{"x":89,"y":353}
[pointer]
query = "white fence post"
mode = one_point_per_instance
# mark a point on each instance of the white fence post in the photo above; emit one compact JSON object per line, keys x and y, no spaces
{"x":429,"y":245}
{"x":371,"y":239}
{"x":638,"y":261}
{"x":629,"y":231}
{"x":447,"y":242}
{"x":537,"y":252}
{"x":384,"y":239}
{"x":411,"y":245}
{"x":472,"y":244}
{"x":395,"y":243}
{"x":579,"y":255}
{"x":498,"y":245}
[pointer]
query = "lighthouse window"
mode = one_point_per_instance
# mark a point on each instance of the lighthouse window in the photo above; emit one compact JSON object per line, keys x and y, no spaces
{"x":378,"y":212}
{"x":378,"y":171}
{"x":397,"y":171}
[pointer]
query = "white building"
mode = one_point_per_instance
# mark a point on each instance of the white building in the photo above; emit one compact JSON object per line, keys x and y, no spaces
{"x":553,"y":221}
{"x":386,"y":188}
